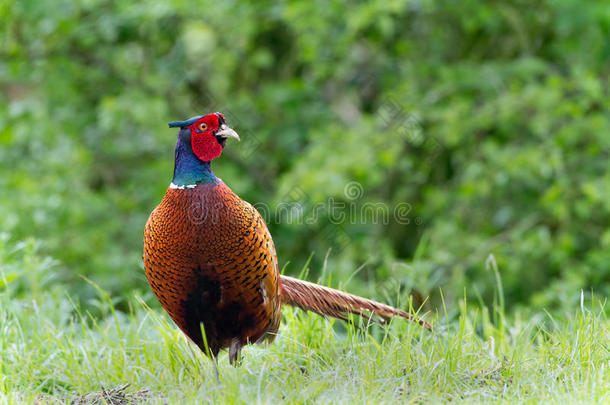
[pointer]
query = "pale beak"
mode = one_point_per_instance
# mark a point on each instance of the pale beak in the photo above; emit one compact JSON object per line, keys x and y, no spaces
{"x":226,"y":132}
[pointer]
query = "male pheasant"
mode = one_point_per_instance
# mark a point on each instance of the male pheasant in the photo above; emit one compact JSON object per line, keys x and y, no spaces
{"x":210,"y":259}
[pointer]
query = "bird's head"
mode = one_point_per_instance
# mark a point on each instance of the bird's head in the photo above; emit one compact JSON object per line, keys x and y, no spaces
{"x":205,"y":134}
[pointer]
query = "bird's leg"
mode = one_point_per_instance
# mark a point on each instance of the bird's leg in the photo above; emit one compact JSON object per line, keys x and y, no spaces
{"x":235,"y":352}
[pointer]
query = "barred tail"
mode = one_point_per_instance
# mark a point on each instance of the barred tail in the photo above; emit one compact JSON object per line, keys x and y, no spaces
{"x":337,"y":304}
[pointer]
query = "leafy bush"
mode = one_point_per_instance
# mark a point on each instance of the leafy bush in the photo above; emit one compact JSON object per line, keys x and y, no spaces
{"x":486,"y":120}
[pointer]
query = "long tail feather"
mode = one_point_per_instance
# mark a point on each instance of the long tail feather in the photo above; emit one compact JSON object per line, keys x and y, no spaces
{"x":337,"y":304}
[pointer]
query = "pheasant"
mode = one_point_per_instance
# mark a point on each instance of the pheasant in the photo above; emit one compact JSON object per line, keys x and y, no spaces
{"x":211,"y":262}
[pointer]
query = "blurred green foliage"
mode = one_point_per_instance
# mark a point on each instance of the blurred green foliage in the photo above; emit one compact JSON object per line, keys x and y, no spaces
{"x":488,"y":118}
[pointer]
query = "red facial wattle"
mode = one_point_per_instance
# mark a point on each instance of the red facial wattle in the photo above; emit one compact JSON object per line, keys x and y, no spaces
{"x":205,"y":145}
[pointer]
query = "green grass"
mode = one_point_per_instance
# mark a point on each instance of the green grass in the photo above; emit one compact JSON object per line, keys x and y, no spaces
{"x":45,"y":353}
{"x":52,"y":351}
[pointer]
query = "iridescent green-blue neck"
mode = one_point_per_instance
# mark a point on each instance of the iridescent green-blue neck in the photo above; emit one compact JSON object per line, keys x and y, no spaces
{"x":188,"y":168}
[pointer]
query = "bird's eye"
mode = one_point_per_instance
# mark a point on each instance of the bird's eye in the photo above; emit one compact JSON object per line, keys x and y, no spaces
{"x":203,"y":126}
